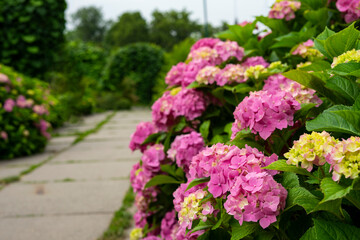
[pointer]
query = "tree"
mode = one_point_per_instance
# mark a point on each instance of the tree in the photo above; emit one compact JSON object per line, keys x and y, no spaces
{"x":31,"y":32}
{"x":169,"y":28}
{"x":131,"y":27}
{"x":90,"y":25}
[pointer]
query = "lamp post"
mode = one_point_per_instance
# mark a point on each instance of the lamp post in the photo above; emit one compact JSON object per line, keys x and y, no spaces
{"x":205,"y":19}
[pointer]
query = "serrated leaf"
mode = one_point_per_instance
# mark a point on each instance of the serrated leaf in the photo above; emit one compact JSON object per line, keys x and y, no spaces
{"x":333,"y":206}
{"x":336,"y":119}
{"x":332,"y":190}
{"x":162,"y":179}
{"x":197,"y":181}
{"x":204,"y":129}
{"x":319,"y":41}
{"x":331,"y":231}
{"x":302,"y":197}
{"x":347,"y":88}
{"x":290,"y":180}
{"x":238,"y":232}
{"x":342,"y":41}
{"x":281,"y":165}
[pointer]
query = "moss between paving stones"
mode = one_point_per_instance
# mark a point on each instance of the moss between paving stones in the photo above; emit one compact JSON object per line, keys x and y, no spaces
{"x":121,"y":220}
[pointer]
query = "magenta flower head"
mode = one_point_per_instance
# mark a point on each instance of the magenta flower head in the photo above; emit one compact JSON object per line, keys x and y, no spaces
{"x":39,"y":109}
{"x":21,"y":102}
{"x":9,"y":105}
{"x":230,"y":74}
{"x":176,"y":75}
{"x":284,"y":10}
{"x":4,"y":78}
{"x":184,"y":148}
{"x":152,"y":158}
{"x":278,"y":82}
{"x":168,"y":223}
{"x":189,"y":103}
{"x":205,"y":42}
{"x":254,"y":61}
{"x":43,"y":127}
{"x":3,"y":135}
{"x":207,"y":55}
{"x":229,"y":49}
{"x":162,"y":111}
{"x":138,"y":179}
{"x":143,"y":130}
{"x":350,"y":8}
{"x":207,"y":75}
{"x":263,"y":112}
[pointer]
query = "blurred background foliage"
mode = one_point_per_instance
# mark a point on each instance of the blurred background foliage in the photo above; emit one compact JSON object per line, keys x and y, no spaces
{"x":99,"y":64}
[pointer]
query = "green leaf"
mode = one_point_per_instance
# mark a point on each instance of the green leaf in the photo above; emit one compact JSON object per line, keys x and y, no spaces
{"x":154,"y":138}
{"x":342,"y":41}
{"x":238,"y":232}
{"x":290,"y":180}
{"x":302,"y":197}
{"x":204,"y":129}
{"x":318,"y":17}
{"x":332,"y":190}
{"x":276,"y":25}
{"x":242,"y":33}
{"x":320,"y":41}
{"x":197,"y":181}
{"x":29,"y":38}
{"x":194,"y":85}
{"x":346,"y":69}
{"x":354,"y":198}
{"x":336,"y":119}
{"x":331,"y":231}
{"x":333,"y":206}
{"x":310,"y":81}
{"x":219,"y":139}
{"x":162,"y":179}
{"x":304,"y":111}
{"x":347,"y":88}
{"x":281,"y":165}
{"x":317,"y":66}
{"x":201,"y":226}
{"x":32,"y":49}
{"x":240,"y":88}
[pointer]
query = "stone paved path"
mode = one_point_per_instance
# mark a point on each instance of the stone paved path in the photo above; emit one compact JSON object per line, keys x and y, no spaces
{"x":74,"y":194}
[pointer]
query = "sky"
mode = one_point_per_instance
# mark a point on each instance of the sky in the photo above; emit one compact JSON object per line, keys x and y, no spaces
{"x":218,"y":11}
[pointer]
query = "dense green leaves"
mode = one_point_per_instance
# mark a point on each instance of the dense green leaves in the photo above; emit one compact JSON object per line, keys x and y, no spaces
{"x":161,"y":179}
{"x":239,"y":232}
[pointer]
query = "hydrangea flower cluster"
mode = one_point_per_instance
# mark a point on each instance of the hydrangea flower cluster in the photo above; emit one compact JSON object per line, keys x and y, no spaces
{"x":349,"y":56}
{"x":254,"y":194}
{"x":169,"y":226}
{"x":350,"y":8}
{"x":263,"y":112}
{"x":143,"y":130}
{"x":189,"y":103}
{"x":193,"y":208}
{"x":345,"y":159}
{"x":284,"y":9}
{"x":306,"y":50}
{"x":231,"y":73}
{"x":301,"y":94}
{"x":204,"y":53}
{"x":184,"y":148}
{"x":311,"y":149}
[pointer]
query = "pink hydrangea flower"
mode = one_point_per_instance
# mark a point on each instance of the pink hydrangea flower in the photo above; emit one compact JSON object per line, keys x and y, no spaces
{"x":301,"y":94}
{"x":206,"y":55}
{"x":284,"y":10}
{"x":143,"y":130}
{"x":254,"y":61}
{"x":184,"y":148}
{"x":43,"y":127}
{"x":205,"y":42}
{"x":350,"y":8}
{"x":230,"y":74}
{"x":229,"y":49}
{"x":9,"y":105}
{"x":207,"y":75}
{"x":189,"y":103}
{"x":21,"y":102}
{"x":162,"y":111}
{"x":168,"y":223}
{"x":4,"y":78}
{"x":4,"y":135}
{"x":191,"y":71}
{"x":39,"y":109}
{"x":176,"y":74}
{"x":152,"y":158}
{"x":138,"y":178}
{"x":151,"y":238}
{"x":140,"y":219}
{"x":263,"y":112}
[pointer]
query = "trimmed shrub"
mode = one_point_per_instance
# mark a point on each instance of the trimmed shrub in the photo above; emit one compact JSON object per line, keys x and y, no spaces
{"x":141,"y":60}
{"x":31,"y":33}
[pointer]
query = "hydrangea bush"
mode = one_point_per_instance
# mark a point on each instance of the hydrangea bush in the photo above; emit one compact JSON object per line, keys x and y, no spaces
{"x":25,"y":106}
{"x":257,"y":135}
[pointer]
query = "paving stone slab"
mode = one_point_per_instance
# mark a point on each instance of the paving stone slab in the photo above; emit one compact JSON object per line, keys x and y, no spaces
{"x":73,"y":227}
{"x":6,"y":172}
{"x":62,"y":140}
{"x":80,"y":171}
{"x":91,"y":151}
{"x":62,"y":198}
{"x":25,"y":161}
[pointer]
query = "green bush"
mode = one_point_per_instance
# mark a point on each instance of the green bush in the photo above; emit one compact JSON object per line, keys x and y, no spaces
{"x":26,"y":107}
{"x":141,"y":61}
{"x":31,"y":32}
